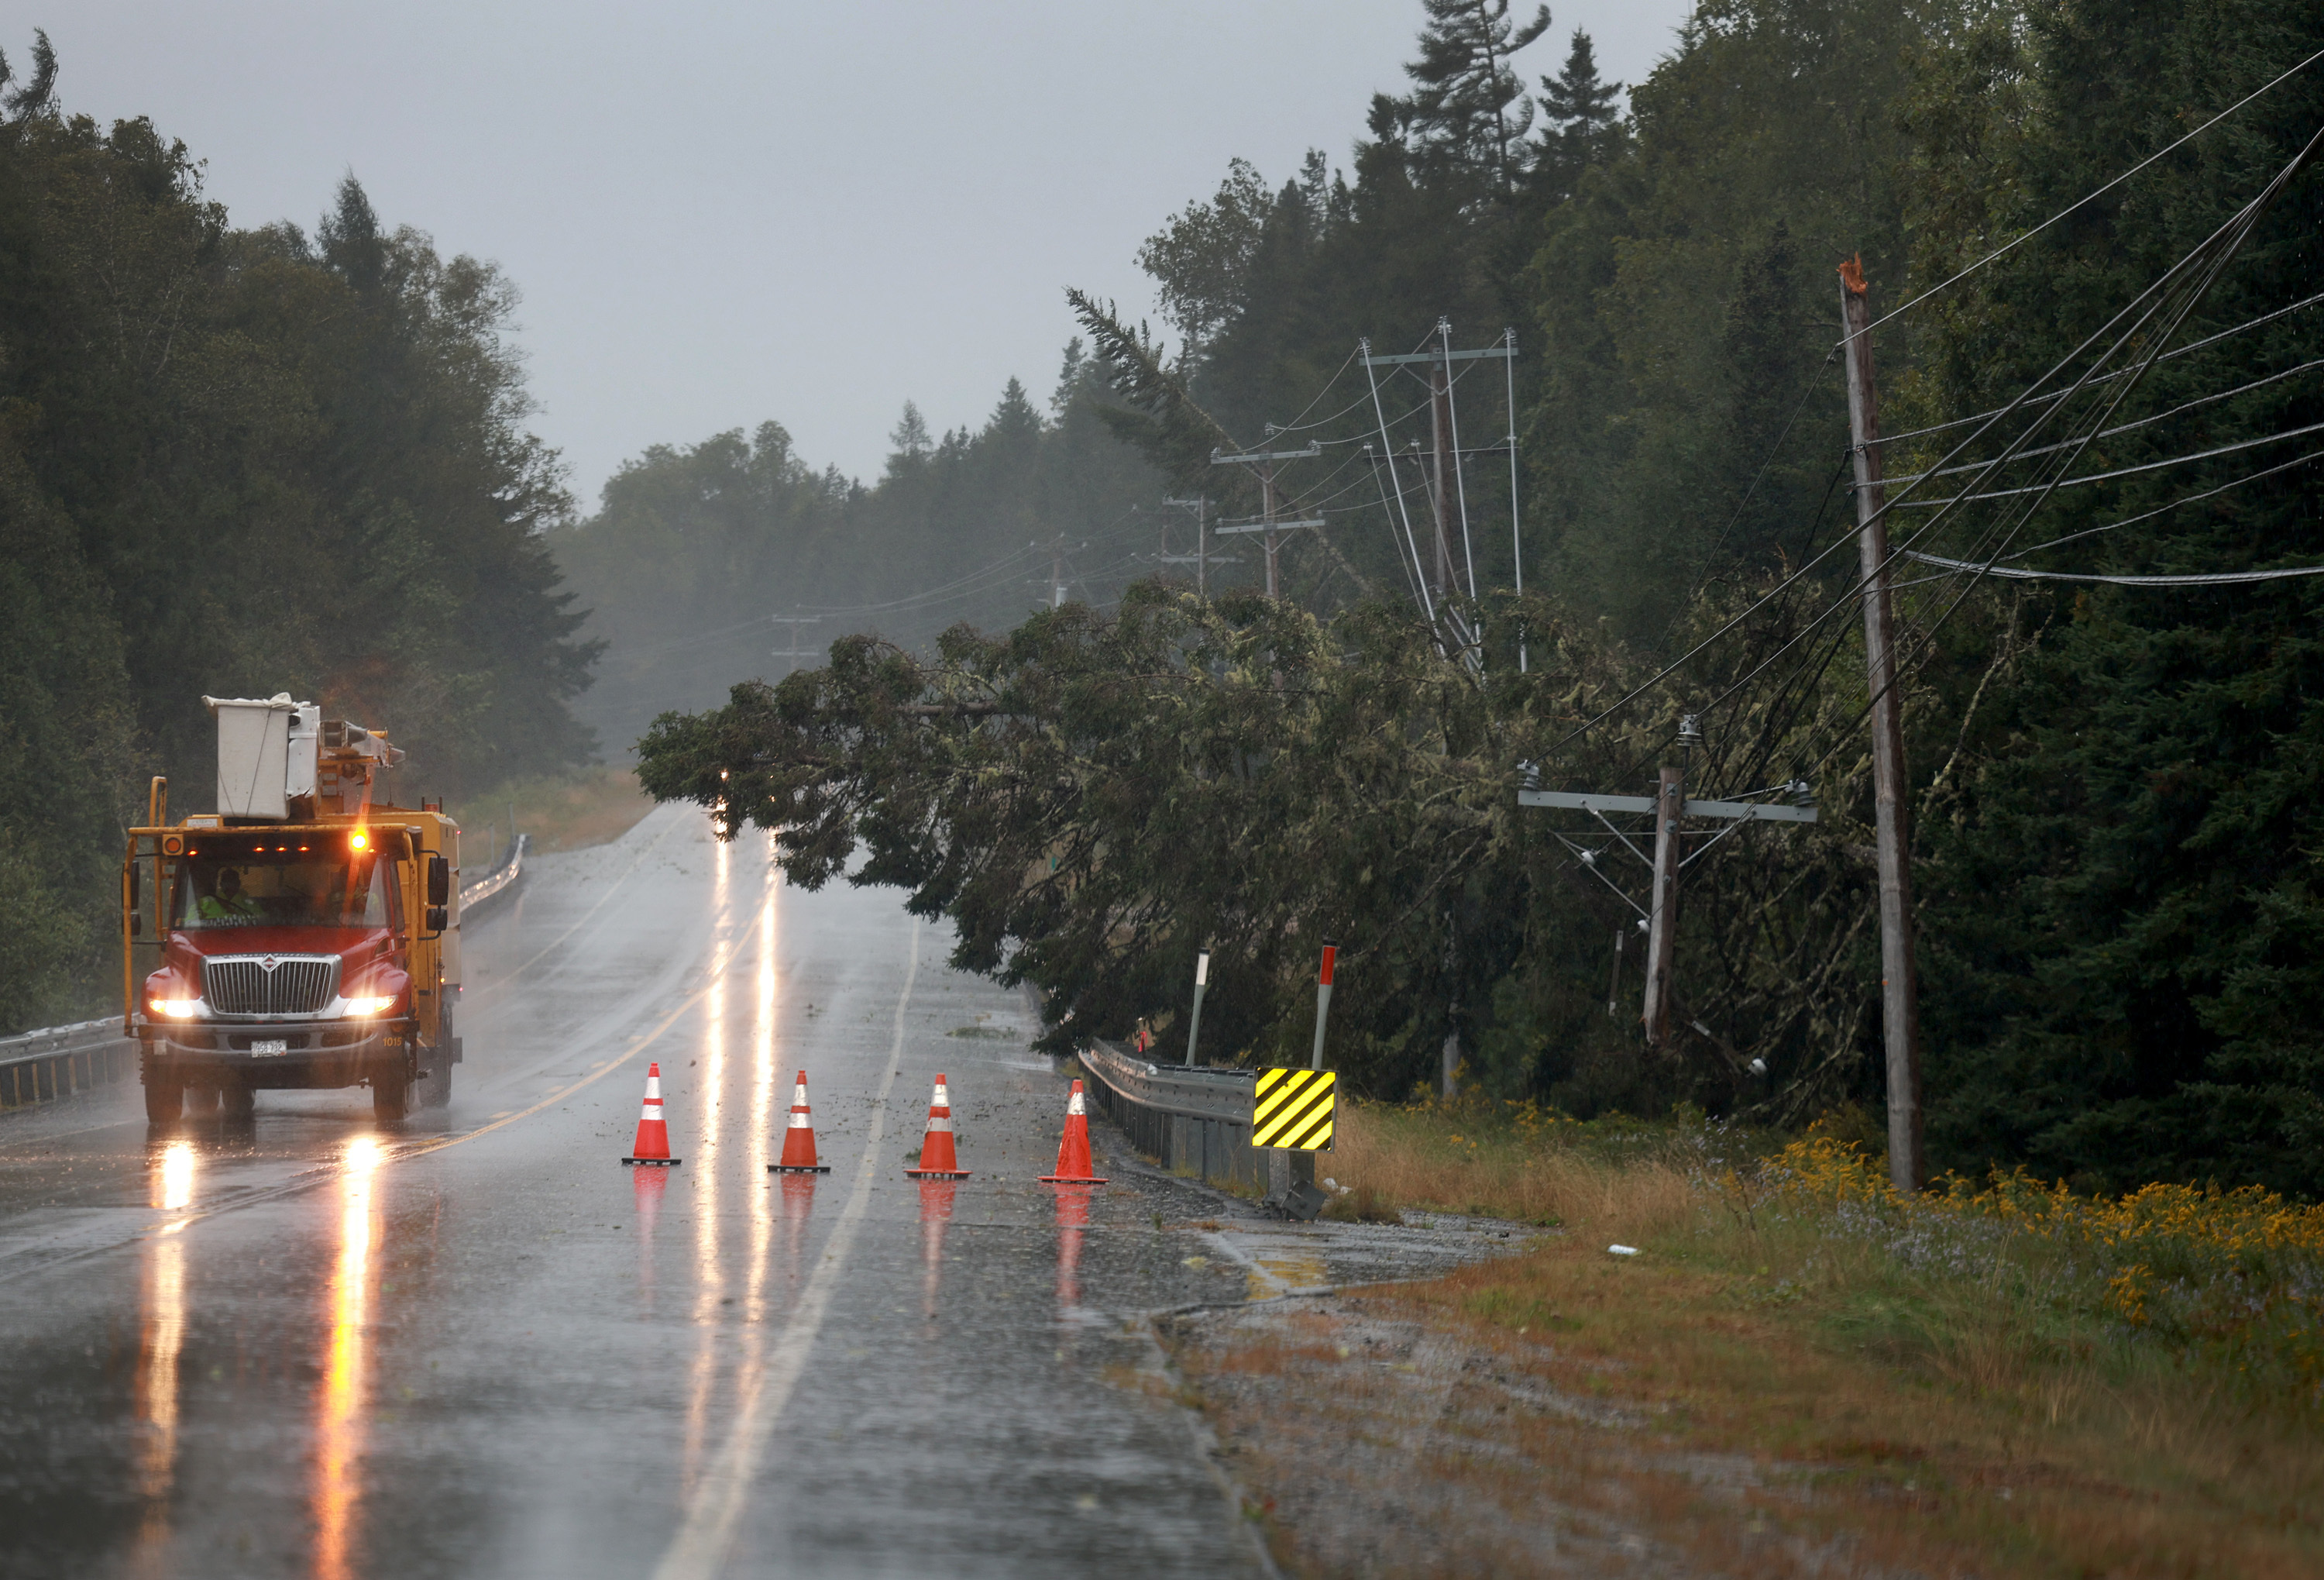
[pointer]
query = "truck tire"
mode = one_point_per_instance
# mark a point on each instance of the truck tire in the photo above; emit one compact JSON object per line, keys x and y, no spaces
{"x":165,"y":1101}
{"x":390,"y":1095}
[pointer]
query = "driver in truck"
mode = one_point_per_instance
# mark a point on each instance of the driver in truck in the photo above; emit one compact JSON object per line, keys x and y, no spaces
{"x":227,"y":901}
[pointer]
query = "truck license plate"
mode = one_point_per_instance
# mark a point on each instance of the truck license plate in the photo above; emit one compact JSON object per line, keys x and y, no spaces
{"x":270,"y":1045}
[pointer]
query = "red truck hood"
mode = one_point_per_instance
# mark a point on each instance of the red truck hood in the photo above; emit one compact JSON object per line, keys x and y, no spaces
{"x":355,"y":943}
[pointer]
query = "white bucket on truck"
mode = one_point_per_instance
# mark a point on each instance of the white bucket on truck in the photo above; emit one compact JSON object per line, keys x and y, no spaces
{"x":266,"y":753}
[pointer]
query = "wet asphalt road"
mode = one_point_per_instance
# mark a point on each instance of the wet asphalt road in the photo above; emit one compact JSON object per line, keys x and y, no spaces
{"x":477,"y":1345}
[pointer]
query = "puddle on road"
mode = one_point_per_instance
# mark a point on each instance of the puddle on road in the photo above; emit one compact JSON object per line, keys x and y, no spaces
{"x":1281,"y":1259}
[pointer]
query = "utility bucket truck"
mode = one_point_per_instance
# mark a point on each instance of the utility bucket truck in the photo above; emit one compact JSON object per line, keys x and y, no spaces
{"x":304,"y":934}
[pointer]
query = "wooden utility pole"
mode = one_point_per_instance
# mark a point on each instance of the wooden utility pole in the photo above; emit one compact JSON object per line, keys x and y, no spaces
{"x":1201,"y":558}
{"x":1900,"y":998}
{"x":1439,"y":432}
{"x":1670,"y":810}
{"x":1267,"y":518}
{"x":1662,"y":913}
{"x":1267,"y":522}
{"x":793,"y":652}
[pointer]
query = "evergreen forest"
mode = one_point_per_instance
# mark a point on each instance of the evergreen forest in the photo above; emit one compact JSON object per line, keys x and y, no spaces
{"x":988,"y":677}
{"x":235,"y":462}
{"x":2097,"y":339}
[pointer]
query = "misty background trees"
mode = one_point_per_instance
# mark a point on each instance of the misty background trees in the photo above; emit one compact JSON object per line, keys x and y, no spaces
{"x":235,"y":461}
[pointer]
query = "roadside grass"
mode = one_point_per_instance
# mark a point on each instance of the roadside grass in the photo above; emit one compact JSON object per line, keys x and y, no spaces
{"x":2004,"y":1374}
{"x":559,"y":811}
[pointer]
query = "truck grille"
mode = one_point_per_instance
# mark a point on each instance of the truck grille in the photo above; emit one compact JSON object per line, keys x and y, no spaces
{"x":269,"y":984}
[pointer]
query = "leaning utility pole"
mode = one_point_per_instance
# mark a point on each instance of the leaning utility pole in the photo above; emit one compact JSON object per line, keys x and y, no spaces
{"x":1670,"y":810}
{"x":1900,"y":998}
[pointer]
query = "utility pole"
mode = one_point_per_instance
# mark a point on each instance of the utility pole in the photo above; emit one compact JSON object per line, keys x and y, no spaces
{"x":1201,"y":558}
{"x":1446,"y":492}
{"x":794,"y":652}
{"x":1266,"y":524}
{"x":1670,"y":810}
{"x":1662,"y":914}
{"x":1440,"y":423}
{"x":1058,"y":574}
{"x":1900,"y":998}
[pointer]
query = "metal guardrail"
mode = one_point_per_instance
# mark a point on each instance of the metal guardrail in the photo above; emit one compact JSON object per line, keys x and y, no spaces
{"x":1193,"y":1121}
{"x":38,"y":1066}
{"x":499,"y":880}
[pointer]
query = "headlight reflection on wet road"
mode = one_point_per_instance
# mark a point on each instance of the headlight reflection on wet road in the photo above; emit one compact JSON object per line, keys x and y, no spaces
{"x":709,"y":1280}
{"x":162,"y":1336}
{"x":340,"y":1419}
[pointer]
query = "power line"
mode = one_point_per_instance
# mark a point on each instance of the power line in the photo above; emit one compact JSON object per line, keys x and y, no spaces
{"x":2100,"y":192}
{"x":2160,"y":292}
{"x":2191,"y":347}
{"x":2165,"y":509}
{"x":2121,"y":427}
{"x":2225,"y":449}
{"x":2213,"y":578}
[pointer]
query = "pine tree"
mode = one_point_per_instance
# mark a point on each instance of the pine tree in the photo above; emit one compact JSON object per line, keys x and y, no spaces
{"x":1468,"y":113}
{"x":1580,"y":123}
{"x":910,"y":438}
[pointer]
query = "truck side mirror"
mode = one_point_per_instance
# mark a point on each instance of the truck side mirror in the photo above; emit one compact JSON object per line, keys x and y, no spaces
{"x":439,"y":918}
{"x":439,"y":883}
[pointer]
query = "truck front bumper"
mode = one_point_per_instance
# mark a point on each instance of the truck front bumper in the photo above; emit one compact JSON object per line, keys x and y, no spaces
{"x":310,"y":1053}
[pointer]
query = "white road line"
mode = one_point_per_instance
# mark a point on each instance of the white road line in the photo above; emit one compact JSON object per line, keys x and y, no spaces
{"x":700,"y":1549}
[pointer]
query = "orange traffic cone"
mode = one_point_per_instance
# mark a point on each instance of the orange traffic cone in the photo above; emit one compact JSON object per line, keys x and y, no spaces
{"x":937,"y":1160}
{"x":651,"y":1149}
{"x":798,"y":1141}
{"x":1073,"y":1152}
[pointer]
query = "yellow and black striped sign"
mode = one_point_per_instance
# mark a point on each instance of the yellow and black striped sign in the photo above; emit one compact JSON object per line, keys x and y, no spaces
{"x":1292,"y":1108}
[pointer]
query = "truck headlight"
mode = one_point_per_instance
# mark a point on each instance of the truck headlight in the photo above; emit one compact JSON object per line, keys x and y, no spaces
{"x":177,"y":1009}
{"x":371,"y":1006}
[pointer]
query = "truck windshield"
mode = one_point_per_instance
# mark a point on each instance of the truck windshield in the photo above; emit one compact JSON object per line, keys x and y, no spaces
{"x":286,"y":882}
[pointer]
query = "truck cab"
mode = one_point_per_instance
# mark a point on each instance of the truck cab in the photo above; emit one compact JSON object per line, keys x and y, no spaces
{"x":304,"y":938}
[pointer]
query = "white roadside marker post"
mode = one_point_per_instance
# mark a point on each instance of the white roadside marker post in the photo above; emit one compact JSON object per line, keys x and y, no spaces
{"x":1201,"y":981}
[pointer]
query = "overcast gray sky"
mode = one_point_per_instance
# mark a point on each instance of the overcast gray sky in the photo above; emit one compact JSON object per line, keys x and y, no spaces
{"x":721,"y":213}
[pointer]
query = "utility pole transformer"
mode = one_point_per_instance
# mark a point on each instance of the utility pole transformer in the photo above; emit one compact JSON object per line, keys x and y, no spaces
{"x":1900,"y":998}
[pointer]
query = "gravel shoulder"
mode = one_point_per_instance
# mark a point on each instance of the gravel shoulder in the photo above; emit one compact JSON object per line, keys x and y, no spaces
{"x":1370,"y":1440}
